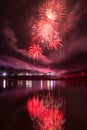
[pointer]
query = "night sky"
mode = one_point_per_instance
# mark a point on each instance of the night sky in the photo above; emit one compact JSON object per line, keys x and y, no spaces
{"x":16,"y":17}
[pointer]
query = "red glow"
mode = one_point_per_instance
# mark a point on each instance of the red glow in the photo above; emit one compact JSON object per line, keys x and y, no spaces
{"x":35,"y":51}
{"x":46,"y":30}
{"x":34,"y":107}
{"x":49,"y":118}
{"x":46,"y":34}
{"x":52,"y":10}
{"x":54,"y":44}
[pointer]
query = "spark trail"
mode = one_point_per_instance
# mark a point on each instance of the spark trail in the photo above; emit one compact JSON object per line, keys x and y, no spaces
{"x":35,"y":51}
{"x":47,"y":25}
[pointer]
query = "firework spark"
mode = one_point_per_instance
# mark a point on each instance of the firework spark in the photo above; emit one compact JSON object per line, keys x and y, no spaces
{"x":45,"y":32}
{"x":35,"y":51}
{"x":46,"y":28}
{"x":52,"y":10}
{"x":54,"y":44}
{"x":46,"y":113}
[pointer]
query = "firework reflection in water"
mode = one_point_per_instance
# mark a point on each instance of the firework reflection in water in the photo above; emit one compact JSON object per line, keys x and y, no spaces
{"x":47,"y":111}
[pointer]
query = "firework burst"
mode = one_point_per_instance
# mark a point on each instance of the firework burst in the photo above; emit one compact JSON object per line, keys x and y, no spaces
{"x":46,"y":30}
{"x":54,"y":44}
{"x":52,"y":10}
{"x":35,"y":51}
{"x":46,"y":27}
{"x":45,"y":33}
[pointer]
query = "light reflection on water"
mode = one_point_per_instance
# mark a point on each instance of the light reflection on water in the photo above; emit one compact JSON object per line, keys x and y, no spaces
{"x":4,"y":83}
{"x":30,"y":84}
{"x":15,"y":95}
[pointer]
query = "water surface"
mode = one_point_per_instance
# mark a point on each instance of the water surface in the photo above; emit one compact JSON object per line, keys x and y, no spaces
{"x":28,"y":104}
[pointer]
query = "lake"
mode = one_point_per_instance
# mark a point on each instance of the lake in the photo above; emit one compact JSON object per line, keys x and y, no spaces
{"x":43,"y":104}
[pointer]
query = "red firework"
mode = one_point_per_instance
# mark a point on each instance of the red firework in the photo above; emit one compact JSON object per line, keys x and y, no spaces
{"x":55,"y":43}
{"x":48,"y":118}
{"x":46,"y":28}
{"x":35,"y":51}
{"x":52,"y":10}
{"x":45,"y":32}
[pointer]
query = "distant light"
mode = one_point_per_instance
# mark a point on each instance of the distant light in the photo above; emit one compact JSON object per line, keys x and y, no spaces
{"x":20,"y":74}
{"x":30,"y":74}
{"x":50,"y":73}
{"x":4,"y":74}
{"x":27,"y":74}
{"x":41,"y":74}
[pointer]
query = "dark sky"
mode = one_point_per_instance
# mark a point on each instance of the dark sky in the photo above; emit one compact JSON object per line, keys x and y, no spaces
{"x":16,"y":18}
